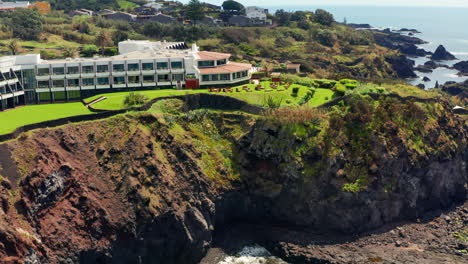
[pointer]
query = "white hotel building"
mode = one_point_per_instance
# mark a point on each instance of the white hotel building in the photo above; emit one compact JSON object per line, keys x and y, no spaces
{"x":140,"y":65}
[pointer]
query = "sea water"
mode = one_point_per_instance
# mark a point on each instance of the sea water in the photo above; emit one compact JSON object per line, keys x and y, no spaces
{"x":438,"y":26}
{"x":252,"y":254}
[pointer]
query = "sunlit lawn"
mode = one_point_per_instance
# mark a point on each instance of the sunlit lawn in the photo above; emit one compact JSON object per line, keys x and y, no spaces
{"x":25,"y":115}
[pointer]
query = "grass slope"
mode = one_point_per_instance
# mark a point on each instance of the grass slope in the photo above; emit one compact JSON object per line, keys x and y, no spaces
{"x":11,"y":119}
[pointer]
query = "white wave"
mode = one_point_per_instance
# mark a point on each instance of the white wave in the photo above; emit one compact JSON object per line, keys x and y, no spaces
{"x":252,"y":255}
{"x":460,"y":53}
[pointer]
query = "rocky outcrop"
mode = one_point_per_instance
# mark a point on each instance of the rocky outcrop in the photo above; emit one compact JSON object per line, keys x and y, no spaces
{"x":442,"y":54}
{"x":462,"y":67}
{"x":403,"y":66}
{"x":153,"y":187}
{"x":459,"y":90}
{"x":396,"y":41}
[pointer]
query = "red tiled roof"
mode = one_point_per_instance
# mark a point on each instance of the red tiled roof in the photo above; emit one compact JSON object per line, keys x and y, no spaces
{"x":228,"y":68}
{"x":207,"y":55}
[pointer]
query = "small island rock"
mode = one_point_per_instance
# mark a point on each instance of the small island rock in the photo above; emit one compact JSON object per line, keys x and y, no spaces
{"x":442,"y":54}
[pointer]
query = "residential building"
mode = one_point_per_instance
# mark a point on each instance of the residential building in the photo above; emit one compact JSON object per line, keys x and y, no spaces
{"x":256,"y":13}
{"x":121,"y":16}
{"x":160,"y":18}
{"x":140,"y":65}
{"x":4,"y":6}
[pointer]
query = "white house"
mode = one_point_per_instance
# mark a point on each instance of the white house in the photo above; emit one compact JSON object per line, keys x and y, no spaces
{"x":256,"y":13}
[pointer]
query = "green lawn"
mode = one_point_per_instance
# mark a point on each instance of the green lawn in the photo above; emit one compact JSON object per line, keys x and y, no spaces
{"x":25,"y":115}
{"x":114,"y":101}
{"x":126,"y":4}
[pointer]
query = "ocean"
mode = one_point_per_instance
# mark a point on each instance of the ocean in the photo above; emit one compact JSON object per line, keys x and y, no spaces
{"x":446,"y":26}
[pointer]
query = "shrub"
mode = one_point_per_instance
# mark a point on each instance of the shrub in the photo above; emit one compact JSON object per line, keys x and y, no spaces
{"x":340,"y":89}
{"x":295,"y":91}
{"x":133,"y":99}
{"x":350,"y":86}
{"x":296,"y":115}
{"x":306,"y":98}
{"x":89,"y":50}
{"x":272,"y":102}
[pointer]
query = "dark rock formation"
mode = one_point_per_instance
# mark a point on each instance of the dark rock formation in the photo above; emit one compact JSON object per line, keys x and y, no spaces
{"x":423,"y":68}
{"x":426,"y":79}
{"x":442,"y":54}
{"x":408,"y":30}
{"x":421,"y":86}
{"x":403,"y":66}
{"x":353,"y":25}
{"x":396,"y":41}
{"x":462,"y":66}
{"x":459,"y":90}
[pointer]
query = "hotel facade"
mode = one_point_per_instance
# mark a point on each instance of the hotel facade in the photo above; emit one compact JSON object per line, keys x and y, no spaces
{"x":140,"y":65}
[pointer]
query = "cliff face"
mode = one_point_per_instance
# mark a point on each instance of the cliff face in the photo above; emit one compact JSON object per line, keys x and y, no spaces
{"x":152,"y":187}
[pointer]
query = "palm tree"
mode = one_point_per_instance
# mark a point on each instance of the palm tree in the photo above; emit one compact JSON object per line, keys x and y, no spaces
{"x":13,"y":46}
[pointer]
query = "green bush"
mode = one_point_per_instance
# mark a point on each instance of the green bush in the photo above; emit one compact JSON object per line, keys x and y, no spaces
{"x":306,"y":98}
{"x":295,"y":91}
{"x":272,"y":102}
{"x":340,"y":89}
{"x":133,"y":99}
{"x":350,"y":86}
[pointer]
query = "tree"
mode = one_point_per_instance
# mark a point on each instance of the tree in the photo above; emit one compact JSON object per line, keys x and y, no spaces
{"x":69,"y":52}
{"x":232,"y":5}
{"x":13,"y":46}
{"x":267,"y":68}
{"x":90,"y":50}
{"x":283,"y":17}
{"x":323,"y":17}
{"x":25,"y":23}
{"x":195,"y":10}
{"x":103,"y":39}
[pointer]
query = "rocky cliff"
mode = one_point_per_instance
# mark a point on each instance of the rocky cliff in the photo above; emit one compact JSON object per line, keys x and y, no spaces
{"x":152,"y":187}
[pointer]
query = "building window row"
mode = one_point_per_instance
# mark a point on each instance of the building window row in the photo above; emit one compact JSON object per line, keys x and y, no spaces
{"x":115,"y":80}
{"x":224,"y":76}
{"x":147,"y":66}
{"x":238,"y":75}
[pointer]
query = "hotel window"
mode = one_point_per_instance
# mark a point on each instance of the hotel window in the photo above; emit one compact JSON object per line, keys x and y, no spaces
{"x":43,"y":71}
{"x":133,"y":79}
{"x":163,"y":78}
{"x":190,"y":76}
{"x":58,"y":83}
{"x":206,"y":78}
{"x":58,"y":71}
{"x":244,"y":74}
{"x":102,"y":68}
{"x":205,"y":63}
{"x":133,"y":67}
{"x":148,"y":78}
{"x":103,"y":81}
{"x":88,"y":82}
{"x":238,"y":75}
{"x":176,"y":65}
{"x":73,"y":70}
{"x":148,"y":66}
{"x":161,"y":65}
{"x":214,"y":77}
{"x":73,"y":82}
{"x":221,"y":62}
{"x":43,"y":84}
{"x":224,"y":77}
{"x":118,"y":67}
{"x":88,"y":68}
{"x":119,"y":80}
{"x":177,"y":77}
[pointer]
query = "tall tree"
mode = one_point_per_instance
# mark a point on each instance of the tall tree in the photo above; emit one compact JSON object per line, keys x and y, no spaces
{"x":25,"y":23}
{"x":232,"y":5}
{"x":104,"y":39}
{"x":195,"y":10}
{"x":323,"y":17}
{"x":70,"y":52}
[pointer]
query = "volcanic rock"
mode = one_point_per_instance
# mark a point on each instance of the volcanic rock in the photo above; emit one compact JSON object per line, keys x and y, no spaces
{"x":442,"y":54}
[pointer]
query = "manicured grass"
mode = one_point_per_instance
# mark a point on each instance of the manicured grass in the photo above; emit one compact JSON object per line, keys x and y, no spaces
{"x":259,"y":97}
{"x":114,"y":101}
{"x":126,"y":4}
{"x":25,"y":115}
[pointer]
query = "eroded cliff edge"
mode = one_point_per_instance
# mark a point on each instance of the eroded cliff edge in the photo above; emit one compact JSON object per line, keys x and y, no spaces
{"x":152,"y":187}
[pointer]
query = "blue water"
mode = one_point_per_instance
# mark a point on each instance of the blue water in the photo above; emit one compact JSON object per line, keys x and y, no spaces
{"x":446,"y":26}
